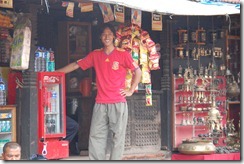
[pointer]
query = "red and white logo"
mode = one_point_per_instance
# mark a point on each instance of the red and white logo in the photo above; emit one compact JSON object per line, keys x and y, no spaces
{"x":115,"y":65}
{"x":50,"y":79}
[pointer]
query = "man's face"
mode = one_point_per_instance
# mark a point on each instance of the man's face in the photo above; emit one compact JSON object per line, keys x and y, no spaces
{"x":107,"y":37}
{"x":12,"y":154}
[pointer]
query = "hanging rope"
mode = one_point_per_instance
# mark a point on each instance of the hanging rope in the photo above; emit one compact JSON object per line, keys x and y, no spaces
{"x":228,"y":18}
{"x":46,"y":4}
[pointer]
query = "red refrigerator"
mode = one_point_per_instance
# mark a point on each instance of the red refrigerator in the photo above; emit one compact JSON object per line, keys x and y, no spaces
{"x":52,"y":115}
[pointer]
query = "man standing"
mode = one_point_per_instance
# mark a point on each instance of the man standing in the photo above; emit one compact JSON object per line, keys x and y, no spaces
{"x":110,"y":111}
{"x":11,"y":151}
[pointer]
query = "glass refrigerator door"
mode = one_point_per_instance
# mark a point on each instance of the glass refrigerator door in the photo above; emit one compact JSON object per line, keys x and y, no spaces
{"x":53,"y":107}
{"x":52,"y":111}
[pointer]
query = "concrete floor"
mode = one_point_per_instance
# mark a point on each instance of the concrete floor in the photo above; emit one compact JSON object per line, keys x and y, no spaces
{"x":84,"y":156}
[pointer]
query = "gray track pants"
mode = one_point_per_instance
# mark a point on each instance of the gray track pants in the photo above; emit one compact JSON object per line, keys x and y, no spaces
{"x":108,"y":117}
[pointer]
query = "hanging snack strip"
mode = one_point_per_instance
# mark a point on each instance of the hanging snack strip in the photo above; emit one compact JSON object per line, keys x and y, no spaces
{"x":148,"y":94}
{"x":143,"y":50}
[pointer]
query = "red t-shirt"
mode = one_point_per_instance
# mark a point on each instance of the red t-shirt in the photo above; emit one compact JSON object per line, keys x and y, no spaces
{"x":110,"y":73}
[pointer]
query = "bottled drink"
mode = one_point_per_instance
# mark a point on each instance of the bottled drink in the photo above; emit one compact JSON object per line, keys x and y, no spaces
{"x":54,"y":101}
{"x":47,"y":58}
{"x":43,"y":60}
{"x":2,"y":92}
{"x":51,"y":62}
{"x":48,"y":124}
{"x":38,"y":59}
{"x":53,"y":124}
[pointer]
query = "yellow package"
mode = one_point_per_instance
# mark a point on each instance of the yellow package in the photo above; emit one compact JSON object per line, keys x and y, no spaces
{"x":146,"y":77}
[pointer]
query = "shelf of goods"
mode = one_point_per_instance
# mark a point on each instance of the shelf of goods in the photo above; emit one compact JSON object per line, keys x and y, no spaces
{"x":7,"y":125}
{"x":193,"y":110}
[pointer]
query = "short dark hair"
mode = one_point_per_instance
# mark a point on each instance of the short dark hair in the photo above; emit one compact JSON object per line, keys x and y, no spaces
{"x":108,"y":25}
{"x":11,"y":145}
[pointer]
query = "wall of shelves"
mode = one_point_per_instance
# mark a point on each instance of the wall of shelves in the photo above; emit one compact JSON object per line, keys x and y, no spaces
{"x":191,"y":110}
{"x":201,"y":44}
{"x":7,"y":125}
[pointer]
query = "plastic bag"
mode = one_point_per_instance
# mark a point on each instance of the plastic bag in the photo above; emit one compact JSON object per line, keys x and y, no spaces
{"x":20,"y":53}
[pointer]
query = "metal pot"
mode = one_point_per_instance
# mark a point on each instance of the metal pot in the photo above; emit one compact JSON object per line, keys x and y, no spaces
{"x":233,"y":90}
{"x":198,"y":147}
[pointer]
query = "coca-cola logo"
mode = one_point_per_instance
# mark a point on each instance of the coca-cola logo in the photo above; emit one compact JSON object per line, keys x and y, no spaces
{"x":50,"y":79}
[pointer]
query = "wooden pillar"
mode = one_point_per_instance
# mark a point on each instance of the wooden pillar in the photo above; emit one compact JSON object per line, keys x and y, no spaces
{"x":27,"y":110}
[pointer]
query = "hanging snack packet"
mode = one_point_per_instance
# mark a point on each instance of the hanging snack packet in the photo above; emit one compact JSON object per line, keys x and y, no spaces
{"x":146,"y":78}
{"x":20,"y":49}
{"x":148,"y":100}
{"x":143,"y":56}
{"x":128,"y":79}
{"x":148,"y":88}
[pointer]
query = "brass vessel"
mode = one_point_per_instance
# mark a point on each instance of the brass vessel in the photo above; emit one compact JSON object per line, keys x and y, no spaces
{"x":197,"y":147}
{"x":233,"y":90}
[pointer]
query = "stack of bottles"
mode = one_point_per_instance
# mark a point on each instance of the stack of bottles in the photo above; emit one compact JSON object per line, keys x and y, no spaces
{"x":2,"y":91}
{"x":44,"y":60}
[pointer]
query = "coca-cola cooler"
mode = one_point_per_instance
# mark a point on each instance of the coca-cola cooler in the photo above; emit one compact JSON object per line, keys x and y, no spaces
{"x":52,"y":115}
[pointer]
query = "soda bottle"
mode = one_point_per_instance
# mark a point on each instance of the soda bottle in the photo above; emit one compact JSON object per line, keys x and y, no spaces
{"x":47,"y":59}
{"x":51,"y":62}
{"x":2,"y":91}
{"x":53,"y":124}
{"x":54,"y":101}
{"x":48,"y":124}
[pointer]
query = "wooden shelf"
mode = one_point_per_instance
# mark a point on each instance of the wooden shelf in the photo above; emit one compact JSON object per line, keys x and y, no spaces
{"x":6,"y":136}
{"x":233,"y":37}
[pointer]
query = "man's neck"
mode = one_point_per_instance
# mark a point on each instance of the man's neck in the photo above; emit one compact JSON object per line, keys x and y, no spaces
{"x":109,"y":49}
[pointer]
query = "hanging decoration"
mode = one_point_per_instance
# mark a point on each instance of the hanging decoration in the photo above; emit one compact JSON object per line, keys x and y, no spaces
{"x":20,"y":48}
{"x":143,"y":50}
{"x":46,"y":4}
{"x":86,"y":7}
{"x":157,"y":24}
{"x":107,"y":12}
{"x":119,"y":13}
{"x":136,"y":17}
{"x":148,"y":88}
{"x":6,"y":3}
{"x":65,"y":4}
{"x":70,"y":9}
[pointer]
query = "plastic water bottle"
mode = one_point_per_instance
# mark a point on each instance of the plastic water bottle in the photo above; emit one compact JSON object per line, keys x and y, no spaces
{"x":2,"y":92}
{"x":54,"y":101}
{"x":38,"y":59}
{"x":47,"y":58}
{"x":43,"y":60}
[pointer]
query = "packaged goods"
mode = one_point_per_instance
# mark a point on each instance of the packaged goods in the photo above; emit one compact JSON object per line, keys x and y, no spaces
{"x":20,"y":53}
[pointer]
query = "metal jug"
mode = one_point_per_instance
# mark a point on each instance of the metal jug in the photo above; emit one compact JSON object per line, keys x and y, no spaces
{"x":232,"y":90}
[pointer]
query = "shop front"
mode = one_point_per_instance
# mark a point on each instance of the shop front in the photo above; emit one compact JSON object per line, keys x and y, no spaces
{"x":183,"y":100}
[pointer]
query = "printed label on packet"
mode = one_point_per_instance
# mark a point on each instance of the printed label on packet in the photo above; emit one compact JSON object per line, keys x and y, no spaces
{"x":148,"y":89}
{"x":148,"y":100}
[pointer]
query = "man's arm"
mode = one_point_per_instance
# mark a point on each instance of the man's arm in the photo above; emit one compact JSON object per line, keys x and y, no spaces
{"x":68,"y":68}
{"x":135,"y":81}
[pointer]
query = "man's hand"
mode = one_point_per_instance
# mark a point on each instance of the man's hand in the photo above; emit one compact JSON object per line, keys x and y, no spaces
{"x":126,"y":93}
